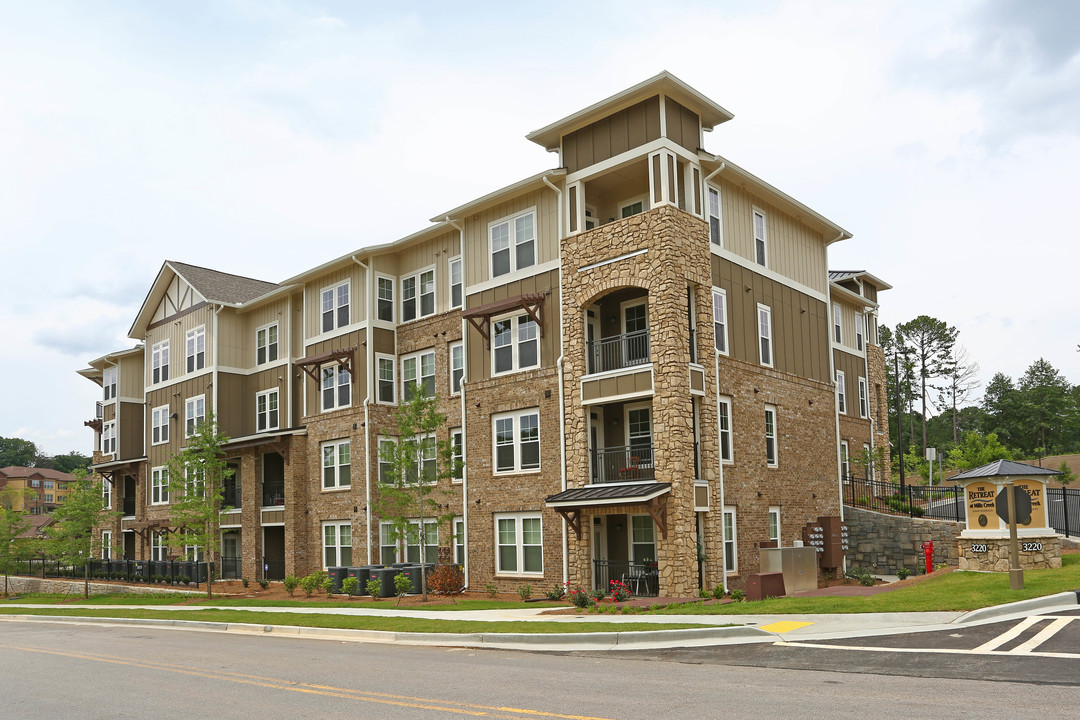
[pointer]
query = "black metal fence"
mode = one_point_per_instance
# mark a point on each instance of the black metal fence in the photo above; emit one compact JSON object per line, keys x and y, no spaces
{"x":639,"y":579}
{"x":618,"y":352}
{"x":170,"y":572}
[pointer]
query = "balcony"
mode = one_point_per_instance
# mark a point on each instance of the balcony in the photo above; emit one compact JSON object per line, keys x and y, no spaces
{"x":618,"y":352}
{"x":622,"y":464}
{"x":273,"y":494}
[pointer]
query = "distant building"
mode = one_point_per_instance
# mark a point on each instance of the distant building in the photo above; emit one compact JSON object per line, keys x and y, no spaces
{"x":47,"y":488}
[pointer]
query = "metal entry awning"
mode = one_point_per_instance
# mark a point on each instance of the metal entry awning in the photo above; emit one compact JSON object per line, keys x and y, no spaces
{"x":570,"y":503}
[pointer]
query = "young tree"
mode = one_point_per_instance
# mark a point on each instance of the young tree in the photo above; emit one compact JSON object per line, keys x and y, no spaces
{"x":1067,"y":475}
{"x":407,"y":496}
{"x":13,"y":523}
{"x":71,"y":535}
{"x":959,"y":384}
{"x":1046,"y":405}
{"x":931,"y":342}
{"x":197,"y":477}
{"x":977,"y":450}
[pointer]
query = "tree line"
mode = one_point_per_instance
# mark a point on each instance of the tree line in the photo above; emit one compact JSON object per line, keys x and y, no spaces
{"x":24,"y":453}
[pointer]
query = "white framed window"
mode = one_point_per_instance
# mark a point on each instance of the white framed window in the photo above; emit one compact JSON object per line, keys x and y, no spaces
{"x":459,"y":541}
{"x":335,"y":306}
{"x":418,"y":370}
{"x":267,"y":416}
{"x":765,"y":344}
{"x":841,"y":392}
{"x":266,"y":344}
{"x":194,"y":414}
{"x":860,"y":331}
{"x":761,"y":239}
{"x":159,"y":486}
{"x":386,"y":379}
{"x":515,"y":344}
{"x":106,"y":544}
{"x":712,"y":208}
{"x":386,"y":467}
{"x":516,"y":440}
{"x":770,"y":436}
{"x":50,"y":484}
{"x":337,"y":543}
{"x":424,"y":466}
{"x":159,"y":361}
{"x":336,"y":465}
{"x":385,"y":299}
{"x":864,"y":399}
{"x":519,"y":544}
{"x":108,"y":383}
{"x":457,"y":453}
{"x":642,"y":539}
{"x":106,"y":494}
{"x":457,"y":366}
{"x":723,"y":407}
{"x":512,"y":243}
{"x":719,"y":318}
{"x":388,"y":550}
{"x":418,"y":295}
{"x":633,"y":207}
{"x":774,"y":524}
{"x":431,"y":542}
{"x":457,"y":283}
{"x":108,"y":438}
{"x":159,"y":550}
{"x":336,"y":387}
{"x":868,"y":459}
{"x":731,"y":548}
{"x":195,"y":345}
{"x":159,"y":425}
{"x":845,"y":460}
{"x":837,"y":323}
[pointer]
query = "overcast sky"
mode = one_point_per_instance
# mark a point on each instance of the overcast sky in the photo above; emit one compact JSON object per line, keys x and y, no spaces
{"x":263,"y":138}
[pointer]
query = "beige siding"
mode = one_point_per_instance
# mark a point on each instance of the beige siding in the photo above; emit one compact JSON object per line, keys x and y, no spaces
{"x":313,"y":297}
{"x":847,"y":323}
{"x":179,"y":297}
{"x":615,"y":134}
{"x":424,"y":255}
{"x":130,"y":376}
{"x":175,"y":331}
{"x":853,"y":368}
{"x":478,"y":259}
{"x":628,"y":384}
{"x":236,"y":333}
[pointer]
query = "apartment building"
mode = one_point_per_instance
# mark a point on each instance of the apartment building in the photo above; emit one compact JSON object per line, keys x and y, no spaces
{"x":635,"y":352}
{"x":36,"y":491}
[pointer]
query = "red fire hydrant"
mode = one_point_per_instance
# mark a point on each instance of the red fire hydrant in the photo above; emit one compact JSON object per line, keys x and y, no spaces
{"x":928,"y":551}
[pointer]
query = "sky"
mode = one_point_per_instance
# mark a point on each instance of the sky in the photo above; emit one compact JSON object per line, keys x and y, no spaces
{"x":263,"y":138}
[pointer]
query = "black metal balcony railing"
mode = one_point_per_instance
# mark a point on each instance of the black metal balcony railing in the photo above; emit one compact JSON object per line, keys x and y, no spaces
{"x":640,"y":579}
{"x":618,"y":352}
{"x":622,"y":464}
{"x":273,"y":494}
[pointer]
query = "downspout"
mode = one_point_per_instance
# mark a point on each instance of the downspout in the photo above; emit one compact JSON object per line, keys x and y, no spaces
{"x":836,"y":402}
{"x":464,"y":424}
{"x":217,"y":361}
{"x":716,"y":172}
{"x":368,"y":378}
{"x":720,"y":463}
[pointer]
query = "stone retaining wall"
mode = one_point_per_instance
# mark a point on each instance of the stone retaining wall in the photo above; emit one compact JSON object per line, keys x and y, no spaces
{"x":75,"y":587}
{"x":884,"y":543}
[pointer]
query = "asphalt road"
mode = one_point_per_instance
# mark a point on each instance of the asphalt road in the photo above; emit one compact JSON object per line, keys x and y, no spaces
{"x":53,"y":670}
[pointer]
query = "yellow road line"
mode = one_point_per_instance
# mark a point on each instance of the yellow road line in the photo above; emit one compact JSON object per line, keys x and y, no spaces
{"x":784,"y":626}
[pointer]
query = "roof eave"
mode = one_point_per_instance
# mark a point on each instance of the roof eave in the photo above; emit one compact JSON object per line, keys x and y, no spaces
{"x":494,"y":197}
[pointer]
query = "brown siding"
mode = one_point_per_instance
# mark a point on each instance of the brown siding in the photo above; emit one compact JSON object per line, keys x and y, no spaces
{"x":359,"y":378}
{"x":175,"y":397}
{"x":385,"y":341}
{"x":129,"y":441}
{"x":682,"y":125}
{"x":638,"y":382}
{"x":230,"y":415}
{"x":853,"y":368}
{"x":615,"y":134}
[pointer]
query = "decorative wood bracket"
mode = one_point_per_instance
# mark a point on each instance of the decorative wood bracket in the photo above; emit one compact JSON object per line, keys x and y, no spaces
{"x":311,"y":365}
{"x":573,"y":519}
{"x":658,"y":511}
{"x":480,"y":316}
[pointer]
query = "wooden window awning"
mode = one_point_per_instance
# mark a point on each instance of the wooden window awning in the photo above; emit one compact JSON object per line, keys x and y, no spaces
{"x":312,"y":363}
{"x":110,"y":470}
{"x":650,"y":496}
{"x":273,"y":443}
{"x":480,"y":316}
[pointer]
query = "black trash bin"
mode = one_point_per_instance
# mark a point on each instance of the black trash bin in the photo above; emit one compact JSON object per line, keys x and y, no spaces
{"x":337,"y":574}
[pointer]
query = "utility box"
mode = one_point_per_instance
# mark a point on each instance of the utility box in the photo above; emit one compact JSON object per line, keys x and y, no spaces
{"x":829,"y":536}
{"x":798,"y":565}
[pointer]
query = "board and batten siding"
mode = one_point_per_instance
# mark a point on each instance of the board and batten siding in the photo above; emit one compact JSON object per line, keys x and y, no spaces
{"x":683,"y":125}
{"x":129,"y":440}
{"x":175,"y":331}
{"x":847,"y":325}
{"x":129,"y":376}
{"x":359,"y":376}
{"x":236,"y":333}
{"x":477,"y":252}
{"x":853,"y":368}
{"x":422,"y":255}
{"x":175,"y":396}
{"x":612,"y":135}
{"x":313,"y":297}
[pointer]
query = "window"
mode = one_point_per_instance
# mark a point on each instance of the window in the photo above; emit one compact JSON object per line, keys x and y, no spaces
{"x":266,"y":410}
{"x":513,"y":243}
{"x":159,"y":486}
{"x":456,"y":283}
{"x":159,"y":424}
{"x":106,"y":494}
{"x":48,"y":497}
{"x":108,"y":383}
{"x":457,"y":449}
{"x":386,"y":379}
{"x":731,"y":554}
{"x":108,"y":438}
{"x":774,"y":524}
{"x":335,"y":465}
{"x":385,"y":303}
{"x":760,"y":239}
{"x":418,"y":369}
{"x":864,"y":403}
{"x":50,"y":484}
{"x":639,"y":434}
{"x":845,"y":460}
{"x":337,"y":544}
{"x":868,"y":461}
{"x":35,"y":483}
{"x":266,"y":344}
{"x":195,"y":480}
{"x":431,"y":542}
{"x":765,"y":334}
{"x":422,"y":284}
{"x":459,"y":541}
{"x":232,"y":495}
{"x":837,"y":324}
{"x":159,"y":359}
{"x":196,"y":349}
{"x":642,"y":539}
{"x":335,"y":307}
{"x":386,"y":466}
{"x":515,"y":344}
{"x":841,"y":392}
{"x":388,"y":554}
{"x":194,"y":414}
{"x":770,"y":436}
{"x":723,"y":407}
{"x":106,"y":544}
{"x":719,"y":318}
{"x":713,"y":216}
{"x":519,"y":544}
{"x":632,"y":208}
{"x":517,"y":441}
{"x":457,"y":367}
{"x":336,"y":387}
{"x":860,"y":331}
{"x":158,"y":549}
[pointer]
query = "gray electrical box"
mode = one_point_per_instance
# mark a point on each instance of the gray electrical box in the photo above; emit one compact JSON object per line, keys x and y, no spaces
{"x":798,"y":565}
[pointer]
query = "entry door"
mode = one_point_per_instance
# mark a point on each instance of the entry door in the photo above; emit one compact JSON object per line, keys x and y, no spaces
{"x":129,"y":545}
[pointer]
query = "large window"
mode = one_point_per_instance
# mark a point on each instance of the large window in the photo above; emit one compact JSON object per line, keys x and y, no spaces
{"x":335,"y":465}
{"x":837,"y":323}
{"x":106,"y":494}
{"x":841,"y":392}
{"x":517,"y":441}
{"x":723,"y":406}
{"x":642,"y":539}
{"x":515,"y":344}
{"x":860,"y":331}
{"x":108,"y":382}
{"x":774,"y":524}
{"x":457,"y":447}
{"x":386,"y":298}
{"x":266,"y":411}
{"x":108,"y":438}
{"x":513,"y":243}
{"x":194,"y":414}
{"x":457,"y":366}
{"x":266,"y":344}
{"x":431,"y":542}
{"x":761,"y":241}
{"x":106,"y":544}
{"x":386,"y":466}
{"x":196,"y":349}
{"x":159,"y":486}
{"x":418,"y":295}
{"x":159,"y":425}
{"x":519,"y":542}
{"x":388,"y":554}
{"x":386,"y":379}
{"x":459,"y":541}
{"x":845,"y":460}
{"x":765,"y":335}
{"x":770,"y":436}
{"x":731,"y":550}
{"x":337,"y":543}
{"x":456,"y":283}
{"x":719,"y":318}
{"x":335,"y":307}
{"x":159,"y":550}
{"x":336,"y":387}
{"x":864,"y":402}
{"x":159,"y":360}
{"x":716,"y":236}
{"x":418,"y":370}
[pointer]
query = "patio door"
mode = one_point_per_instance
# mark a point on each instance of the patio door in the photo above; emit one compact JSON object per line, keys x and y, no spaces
{"x":592,"y":337}
{"x":639,"y":436}
{"x":596,"y":445}
{"x":635,"y":335}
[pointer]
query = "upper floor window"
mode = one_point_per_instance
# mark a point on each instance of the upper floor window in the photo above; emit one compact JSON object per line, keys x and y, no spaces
{"x":385,"y":300}
{"x":837,"y":323}
{"x":456,"y":283}
{"x":266,"y":344}
{"x":159,"y":486}
{"x":159,"y":424}
{"x":386,"y":379}
{"x":864,"y":403}
{"x":108,"y":382}
{"x":266,"y":410}
{"x":194,"y":414}
{"x":635,"y":207}
{"x":108,"y":438}
{"x":760,"y":239}
{"x":515,"y":344}
{"x":457,"y":450}
{"x":457,"y":366}
{"x":770,"y":436}
{"x":335,"y":307}
{"x":386,"y":463}
{"x":845,"y":460}
{"x":336,"y":465}
{"x":517,"y":441}
{"x":196,"y":349}
{"x":715,"y":227}
{"x":719,"y":314}
{"x":418,"y":295}
{"x":159,"y":360}
{"x":841,"y":392}
{"x":513,"y":243}
{"x":336,"y":387}
{"x":418,"y":369}
{"x":860,"y":331}
{"x":765,"y":335}
{"x":723,"y":407}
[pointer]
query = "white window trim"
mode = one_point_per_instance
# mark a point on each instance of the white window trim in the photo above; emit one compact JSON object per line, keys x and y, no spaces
{"x":337,"y":486}
{"x":774,"y":512}
{"x":277,"y":343}
{"x":709,"y":187}
{"x":764,"y":237}
{"x":516,"y":416}
{"x":518,"y":544}
{"x":733,"y":569}
{"x":110,"y":378}
{"x":194,"y":334}
{"x":726,"y":401}
{"x":838,"y":324}
{"x":161,"y":412}
{"x":334,"y":288}
{"x":761,"y":335}
{"x":841,"y":392}
{"x":860,"y":332}
{"x":419,"y":358}
{"x":338,"y":545}
{"x":868,"y":453}
{"x":380,"y":462}
{"x":159,"y":480}
{"x":337,"y":370}
{"x":106,"y":544}
{"x":623,"y":204}
{"x":513,"y":244}
{"x":379,"y":357}
{"x":415,"y":276}
{"x":454,"y":456}
{"x":459,"y":345}
{"x":393,"y":298}
{"x":108,"y":438}
{"x":272,"y":392}
{"x":723,"y":295}
{"x":845,"y":459}
{"x":190,"y":404}
{"x":450,"y":282}
{"x":159,"y":549}
{"x":160,"y":352}
{"x":515,"y":319}
{"x":864,"y":398}
{"x":775,"y":437}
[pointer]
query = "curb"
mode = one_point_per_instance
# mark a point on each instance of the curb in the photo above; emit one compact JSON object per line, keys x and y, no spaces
{"x":1020,"y":607}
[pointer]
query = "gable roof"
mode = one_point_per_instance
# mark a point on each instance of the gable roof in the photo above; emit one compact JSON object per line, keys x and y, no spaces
{"x":17,"y":471}
{"x":841,"y":275}
{"x":1004,"y":468}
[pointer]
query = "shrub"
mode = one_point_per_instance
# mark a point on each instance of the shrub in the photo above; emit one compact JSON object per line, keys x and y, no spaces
{"x":866,"y":579}
{"x":580,"y":598}
{"x":718,"y":592}
{"x":328,"y":585}
{"x":402,"y":585}
{"x":737,"y":595}
{"x":264,"y":583}
{"x":619,"y":591}
{"x":183,"y":579}
{"x":556,"y":593}
{"x":245,"y":582}
{"x":350,"y":585}
{"x":597,"y":594}
{"x":705,"y":594}
{"x":374,"y":588}
{"x":291,"y":582}
{"x":525,"y":592}
{"x":311,"y":583}
{"x":446,"y":580}
{"x":491,"y":589}
{"x":903,"y":573}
